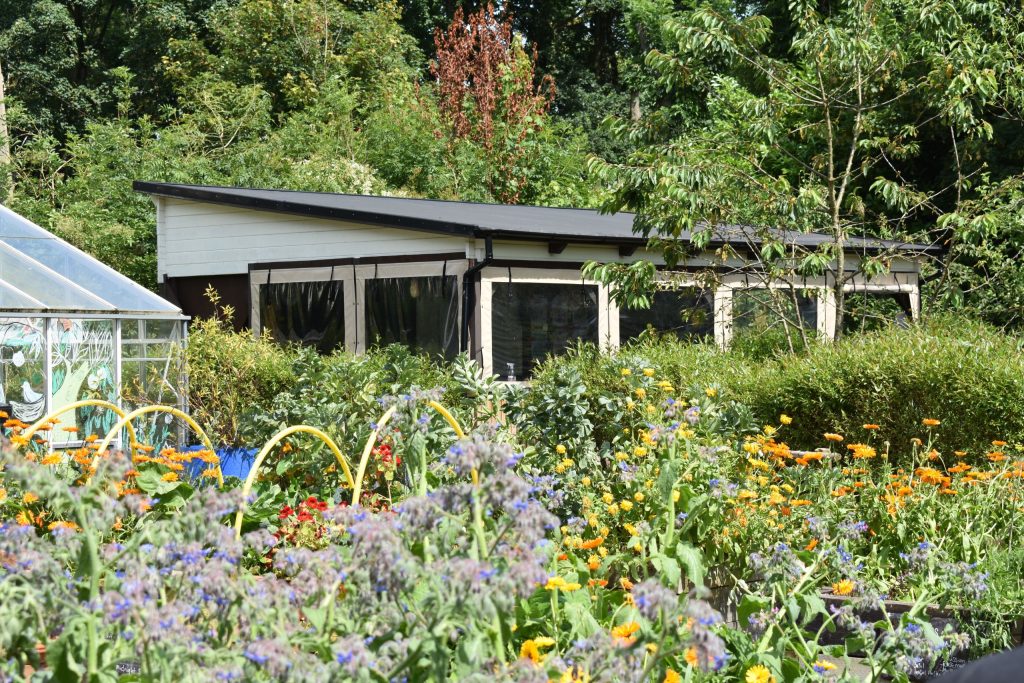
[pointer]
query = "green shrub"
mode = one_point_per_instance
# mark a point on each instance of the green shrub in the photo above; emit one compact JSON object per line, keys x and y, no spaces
{"x":953,"y":370}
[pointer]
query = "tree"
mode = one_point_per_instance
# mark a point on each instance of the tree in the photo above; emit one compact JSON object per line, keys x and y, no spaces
{"x":5,"y":141}
{"x":827,"y":137}
{"x":486,"y":93}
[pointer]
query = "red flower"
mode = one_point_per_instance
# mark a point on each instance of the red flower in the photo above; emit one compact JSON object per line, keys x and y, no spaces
{"x":313,"y":504}
{"x":286,"y":512}
{"x":304,"y":517}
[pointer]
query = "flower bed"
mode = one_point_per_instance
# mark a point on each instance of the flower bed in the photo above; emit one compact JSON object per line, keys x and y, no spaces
{"x":519,"y":554}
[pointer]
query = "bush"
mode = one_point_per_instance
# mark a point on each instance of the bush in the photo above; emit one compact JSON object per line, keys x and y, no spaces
{"x":952,"y":370}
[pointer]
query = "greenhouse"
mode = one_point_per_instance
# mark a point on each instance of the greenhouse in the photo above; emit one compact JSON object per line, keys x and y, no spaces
{"x":71,"y":328}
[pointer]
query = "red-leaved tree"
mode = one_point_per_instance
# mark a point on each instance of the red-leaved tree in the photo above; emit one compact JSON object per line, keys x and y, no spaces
{"x":487,"y":93}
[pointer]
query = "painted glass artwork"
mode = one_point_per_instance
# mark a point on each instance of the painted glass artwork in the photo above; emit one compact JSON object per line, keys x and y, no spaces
{"x":83,"y":366}
{"x":23,"y":367}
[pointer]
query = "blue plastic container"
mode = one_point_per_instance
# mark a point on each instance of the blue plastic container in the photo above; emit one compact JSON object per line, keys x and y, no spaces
{"x":234,"y":461}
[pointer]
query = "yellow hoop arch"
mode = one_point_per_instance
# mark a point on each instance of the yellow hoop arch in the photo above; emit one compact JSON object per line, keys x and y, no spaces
{"x":30,"y":432}
{"x":364,"y":459}
{"x":126,"y":420}
{"x":276,"y":439}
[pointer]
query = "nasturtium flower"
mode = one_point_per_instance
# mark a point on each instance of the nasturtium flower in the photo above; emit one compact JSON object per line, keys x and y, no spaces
{"x":759,"y":673}
{"x":844,"y":587}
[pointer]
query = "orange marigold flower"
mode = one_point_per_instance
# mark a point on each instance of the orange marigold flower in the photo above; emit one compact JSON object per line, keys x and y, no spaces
{"x":862,"y":451}
{"x":957,"y":469}
{"x":53,"y":459}
{"x":624,"y":632}
{"x":997,"y":456}
{"x":960,"y":454}
{"x":904,"y":491}
{"x":829,"y":436}
{"x":930,"y":422}
{"x":690,"y":656}
{"x":626,"y":583}
{"x":592,"y":543}
{"x":170,"y":476}
{"x":91,"y":438}
{"x":841,"y":491}
{"x":812,"y":545}
{"x":70,"y":526}
{"x":844,"y":587}
{"x":871,"y":426}
{"x":998,"y":443}
{"x":948,"y":491}
{"x":29,"y":498}
{"x":798,"y":502}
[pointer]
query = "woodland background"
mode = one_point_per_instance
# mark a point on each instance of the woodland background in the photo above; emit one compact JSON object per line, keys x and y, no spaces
{"x":897,"y":119}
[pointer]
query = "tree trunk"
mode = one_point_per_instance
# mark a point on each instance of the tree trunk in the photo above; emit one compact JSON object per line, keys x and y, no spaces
{"x":5,"y":144}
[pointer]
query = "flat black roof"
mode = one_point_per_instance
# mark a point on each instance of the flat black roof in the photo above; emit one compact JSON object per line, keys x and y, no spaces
{"x":470,"y":219}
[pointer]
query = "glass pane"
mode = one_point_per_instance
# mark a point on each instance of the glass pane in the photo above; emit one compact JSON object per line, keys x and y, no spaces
{"x":420,"y":312}
{"x":51,"y":289}
{"x":162,"y":329}
{"x":688,"y":313}
{"x":130,"y":329}
{"x":149,"y":382}
{"x":13,"y":225}
{"x":104,"y":282}
{"x":530,"y":320}
{"x":310,"y":313}
{"x":82,"y":354}
{"x":763,"y":309}
{"x":23,"y":367}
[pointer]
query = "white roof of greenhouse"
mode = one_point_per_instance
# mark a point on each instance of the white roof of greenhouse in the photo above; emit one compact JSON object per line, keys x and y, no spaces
{"x":41,"y":273}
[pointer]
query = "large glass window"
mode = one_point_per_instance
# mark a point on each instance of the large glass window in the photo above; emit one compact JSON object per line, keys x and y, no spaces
{"x":82,"y":357}
{"x":531,"y":320}
{"x":420,"y":312}
{"x":687,"y":313}
{"x":152,"y":372}
{"x":23,"y":367}
{"x":867,"y":311}
{"x":309,"y":313}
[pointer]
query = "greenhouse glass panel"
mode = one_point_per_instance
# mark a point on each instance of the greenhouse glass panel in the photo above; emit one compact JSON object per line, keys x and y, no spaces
{"x":44,"y":285}
{"x":23,"y":367}
{"x":106,"y":283}
{"x":531,"y":320}
{"x":83,"y":366}
{"x":152,"y":372}
{"x":688,"y":313}
{"x":12,"y":299}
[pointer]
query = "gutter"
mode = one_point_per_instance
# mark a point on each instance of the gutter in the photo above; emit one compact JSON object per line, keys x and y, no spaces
{"x":467,"y":289}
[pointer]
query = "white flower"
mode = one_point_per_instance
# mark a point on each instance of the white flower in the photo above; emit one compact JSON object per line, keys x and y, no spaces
{"x":18,"y":359}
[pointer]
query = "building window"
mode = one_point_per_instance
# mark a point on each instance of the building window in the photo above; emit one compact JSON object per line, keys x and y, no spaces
{"x":868,"y":311}
{"x":420,"y":312}
{"x":688,"y":313}
{"x":774,"y":317}
{"x":531,"y":320}
{"x":308,"y":313}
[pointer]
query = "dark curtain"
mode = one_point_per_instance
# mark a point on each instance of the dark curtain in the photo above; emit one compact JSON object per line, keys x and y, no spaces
{"x":420,"y":312}
{"x":531,"y":320}
{"x":310,"y":313}
{"x":688,"y":313}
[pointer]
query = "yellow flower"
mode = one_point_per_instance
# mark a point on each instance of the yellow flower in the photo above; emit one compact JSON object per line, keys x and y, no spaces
{"x":560,"y":449}
{"x":3,"y":495}
{"x":531,"y":648}
{"x":608,"y":498}
{"x":585,"y":481}
{"x":624,"y":632}
{"x":23,"y":519}
{"x":752,"y":448}
{"x":823,"y":665}
{"x":625,"y":372}
{"x":638,"y":497}
{"x":759,"y":673}
{"x":70,"y":526}
{"x":621,"y":455}
{"x":641,"y":393}
{"x":744,"y":494}
{"x":672,"y":676}
{"x":769,"y":430}
{"x":648,"y":372}
{"x":29,"y":498}
{"x":690,"y":656}
{"x":53,"y":459}
{"x":170,"y":476}
{"x":574,"y":674}
{"x":639,"y":451}
{"x":675,"y":496}
{"x":613,"y":509}
{"x":930,"y":422}
{"x":829,"y":436}
{"x":776,"y":498}
{"x":711,"y":392}
{"x":558,"y":583}
{"x":844,"y":587}
{"x":785,"y":419}
{"x":626,"y":505}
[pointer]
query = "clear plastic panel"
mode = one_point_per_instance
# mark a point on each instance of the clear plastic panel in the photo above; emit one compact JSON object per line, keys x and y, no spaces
{"x":13,"y":225}
{"x":82,"y":356}
{"x":121,"y":292}
{"x":12,"y":299}
{"x":51,"y":289}
{"x":23,"y":367}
